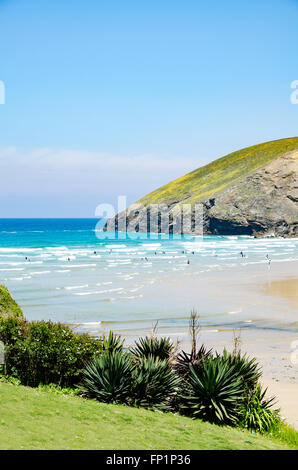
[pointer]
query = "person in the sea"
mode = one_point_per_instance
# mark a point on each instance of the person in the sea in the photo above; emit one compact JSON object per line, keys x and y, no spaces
{"x":188,"y":262}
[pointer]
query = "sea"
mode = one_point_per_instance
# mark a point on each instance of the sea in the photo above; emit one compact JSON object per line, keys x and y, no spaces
{"x":68,"y":270}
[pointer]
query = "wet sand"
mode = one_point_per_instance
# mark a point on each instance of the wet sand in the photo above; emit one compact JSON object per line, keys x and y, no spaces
{"x":287,"y":288}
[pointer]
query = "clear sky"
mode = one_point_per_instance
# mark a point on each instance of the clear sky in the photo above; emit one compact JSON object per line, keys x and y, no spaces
{"x":107,"y":97}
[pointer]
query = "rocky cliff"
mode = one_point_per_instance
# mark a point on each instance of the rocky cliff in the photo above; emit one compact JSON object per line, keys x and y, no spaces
{"x":253,"y":191}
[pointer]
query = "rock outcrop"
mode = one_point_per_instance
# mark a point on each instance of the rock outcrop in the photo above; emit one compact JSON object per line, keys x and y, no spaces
{"x":262,"y":201}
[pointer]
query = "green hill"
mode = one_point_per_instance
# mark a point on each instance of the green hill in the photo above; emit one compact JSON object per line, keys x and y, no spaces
{"x":8,"y":305}
{"x":35,"y":419}
{"x":213,"y":178}
{"x":249,"y":192}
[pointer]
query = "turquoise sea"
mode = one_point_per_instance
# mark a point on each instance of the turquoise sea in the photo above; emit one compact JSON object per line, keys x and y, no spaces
{"x":59,"y":269}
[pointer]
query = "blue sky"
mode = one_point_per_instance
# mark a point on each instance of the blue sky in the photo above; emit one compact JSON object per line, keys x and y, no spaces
{"x":112,"y":97}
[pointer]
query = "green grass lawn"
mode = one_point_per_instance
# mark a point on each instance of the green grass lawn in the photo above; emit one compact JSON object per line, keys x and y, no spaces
{"x":36,"y":419}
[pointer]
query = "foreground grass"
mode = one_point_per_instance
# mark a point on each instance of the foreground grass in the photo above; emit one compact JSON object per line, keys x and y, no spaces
{"x":36,"y":419}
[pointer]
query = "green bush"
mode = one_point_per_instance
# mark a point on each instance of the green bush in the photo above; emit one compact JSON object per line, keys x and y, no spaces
{"x":161,"y":348}
{"x":215,"y":392}
{"x":112,"y":343}
{"x":184,"y":360}
{"x":155,"y":384}
{"x":45,"y":352}
{"x":257,"y":413}
{"x":108,"y":377}
{"x":248,"y":369}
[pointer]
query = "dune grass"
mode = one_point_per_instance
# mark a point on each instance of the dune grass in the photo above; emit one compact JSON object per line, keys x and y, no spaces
{"x":38,"y":419}
{"x":210,"y":179}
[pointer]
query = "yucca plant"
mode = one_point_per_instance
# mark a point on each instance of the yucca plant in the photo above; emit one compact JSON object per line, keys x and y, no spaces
{"x":155,"y":384}
{"x":112,"y":343}
{"x":248,"y":369}
{"x":184,"y":360}
{"x":108,"y":377}
{"x":161,"y":348}
{"x":257,"y":413}
{"x":215,"y":392}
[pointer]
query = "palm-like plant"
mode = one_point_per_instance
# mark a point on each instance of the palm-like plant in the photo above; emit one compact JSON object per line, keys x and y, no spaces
{"x":154,"y":383}
{"x":112,"y":343}
{"x":161,"y":348}
{"x":257,"y":413}
{"x":108,"y":377}
{"x":248,"y":369}
{"x":215,"y":392}
{"x":184,"y":360}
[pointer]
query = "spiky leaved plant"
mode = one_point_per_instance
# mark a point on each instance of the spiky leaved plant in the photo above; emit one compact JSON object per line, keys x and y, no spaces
{"x":108,"y":377}
{"x":155,"y":384}
{"x":160,"y":348}
{"x":215,"y":392}
{"x":184,"y":360}
{"x":247,"y":368}
{"x":112,"y":343}
{"x":257,"y":413}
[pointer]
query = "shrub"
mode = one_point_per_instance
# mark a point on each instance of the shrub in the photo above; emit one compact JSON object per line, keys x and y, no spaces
{"x":112,"y":343}
{"x":161,"y":348}
{"x":108,"y":378}
{"x":248,"y":369}
{"x":184,"y":360}
{"x":155,"y":384}
{"x":45,"y":352}
{"x":257,"y":413}
{"x":215,"y":392}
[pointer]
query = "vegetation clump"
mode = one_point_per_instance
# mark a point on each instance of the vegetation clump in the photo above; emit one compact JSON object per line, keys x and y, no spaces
{"x":45,"y":352}
{"x":8,"y":306}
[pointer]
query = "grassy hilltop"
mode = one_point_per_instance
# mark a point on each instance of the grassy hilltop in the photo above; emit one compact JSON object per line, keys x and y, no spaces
{"x":213,"y":178}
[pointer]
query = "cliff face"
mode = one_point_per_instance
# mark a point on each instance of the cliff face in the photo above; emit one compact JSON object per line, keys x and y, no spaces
{"x":264,"y":203}
{"x":253,"y":191}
